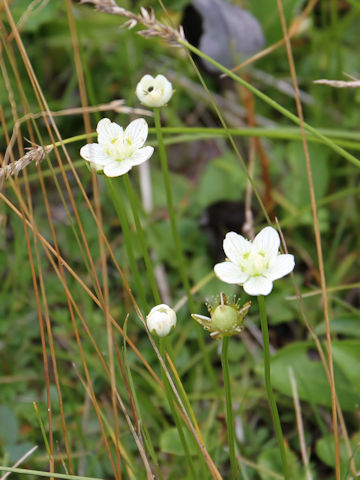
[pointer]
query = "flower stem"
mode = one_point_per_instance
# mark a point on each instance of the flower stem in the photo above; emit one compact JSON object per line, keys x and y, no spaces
{"x":273,"y":407}
{"x":169,"y":395}
{"x":342,"y":137}
{"x":139,"y":229}
{"x":355,"y":161}
{"x":118,"y":202}
{"x":175,"y":234}
{"x":229,"y":412}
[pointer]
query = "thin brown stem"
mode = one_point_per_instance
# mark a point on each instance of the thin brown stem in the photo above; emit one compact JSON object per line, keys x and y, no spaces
{"x":317,"y":237}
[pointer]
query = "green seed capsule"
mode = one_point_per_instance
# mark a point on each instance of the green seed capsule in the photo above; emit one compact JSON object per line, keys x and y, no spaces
{"x":224,"y":318}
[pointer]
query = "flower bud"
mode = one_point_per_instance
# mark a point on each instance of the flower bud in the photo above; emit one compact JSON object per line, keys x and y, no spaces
{"x":161,"y":320}
{"x":154,"y":92}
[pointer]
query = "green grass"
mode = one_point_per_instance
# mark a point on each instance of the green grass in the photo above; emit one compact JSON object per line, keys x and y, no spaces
{"x":103,"y":285}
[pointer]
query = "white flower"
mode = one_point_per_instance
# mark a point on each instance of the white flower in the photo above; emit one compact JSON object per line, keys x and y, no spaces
{"x":255,"y":265}
{"x":118,"y":151}
{"x":161,"y":320}
{"x":154,"y":92}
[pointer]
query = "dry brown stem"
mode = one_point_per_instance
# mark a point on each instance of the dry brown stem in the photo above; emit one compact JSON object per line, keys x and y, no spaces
{"x":317,"y":237}
{"x":339,"y":83}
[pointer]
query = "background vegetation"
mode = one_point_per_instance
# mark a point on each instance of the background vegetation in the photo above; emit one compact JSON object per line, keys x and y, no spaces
{"x":208,"y":185}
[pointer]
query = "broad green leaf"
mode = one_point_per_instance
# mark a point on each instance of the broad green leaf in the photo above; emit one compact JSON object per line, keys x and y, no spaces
{"x":269,"y":18}
{"x":43,"y":12}
{"x":17,"y":451}
{"x":326,"y":452}
{"x":296,"y":182}
{"x":344,"y":325}
{"x":346,"y":355}
{"x":223,"y":179}
{"x":270,"y":461}
{"x":311,"y":380}
{"x":180,"y":188}
{"x":9,"y":426}
{"x":170,"y":442}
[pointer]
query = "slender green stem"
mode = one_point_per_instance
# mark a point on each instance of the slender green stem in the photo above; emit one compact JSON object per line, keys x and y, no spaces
{"x":344,"y":138}
{"x":186,"y":403}
{"x":139,"y":229}
{"x":169,"y":395}
{"x":170,"y":203}
{"x":118,"y":202}
{"x":355,"y":161}
{"x":39,"y":473}
{"x":42,"y":428}
{"x":175,"y":234}
{"x":229,"y":412}
{"x":273,"y":407}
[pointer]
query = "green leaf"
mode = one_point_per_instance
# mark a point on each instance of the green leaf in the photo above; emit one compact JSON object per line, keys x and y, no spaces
{"x":223,"y":179}
{"x":9,"y":426}
{"x":17,"y":451}
{"x":170,"y":442}
{"x":346,"y":355}
{"x":311,"y":380}
{"x":296,"y":182}
{"x":38,"y":16}
{"x":180,"y":187}
{"x":269,"y":18}
{"x":270,"y":460}
{"x":349,"y":326}
{"x":326,"y":452}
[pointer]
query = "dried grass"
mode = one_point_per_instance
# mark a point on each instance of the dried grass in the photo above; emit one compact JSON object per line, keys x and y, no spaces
{"x":153,"y":28}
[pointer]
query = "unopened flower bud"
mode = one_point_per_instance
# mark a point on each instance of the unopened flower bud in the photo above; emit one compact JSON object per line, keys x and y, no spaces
{"x":161,"y":320}
{"x":154,"y":92}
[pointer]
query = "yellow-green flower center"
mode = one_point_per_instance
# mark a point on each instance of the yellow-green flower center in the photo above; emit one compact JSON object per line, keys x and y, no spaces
{"x":120,"y":149}
{"x":254,"y":263}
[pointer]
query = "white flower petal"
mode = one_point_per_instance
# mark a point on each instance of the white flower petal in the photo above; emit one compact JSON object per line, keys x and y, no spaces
{"x":142,"y":87}
{"x":235,"y":246}
{"x":93,"y":152}
{"x":141,"y":155}
{"x":165,"y":86}
{"x":115,"y":169}
{"x":258,"y":285}
{"x":280,"y":266}
{"x":230,"y":273}
{"x":255,"y":264}
{"x":136,"y":133}
{"x":108,"y":131}
{"x":95,"y":166}
{"x":267,"y":241}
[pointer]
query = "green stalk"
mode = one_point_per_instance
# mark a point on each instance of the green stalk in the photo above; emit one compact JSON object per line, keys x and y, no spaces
{"x":170,"y":203}
{"x":349,"y":139}
{"x":229,"y":411}
{"x":284,"y":111}
{"x":42,"y":428}
{"x":39,"y":473}
{"x":119,"y":207}
{"x":186,"y":403}
{"x":273,"y":407}
{"x":140,"y":232}
{"x":175,"y":234}
{"x":169,"y":395}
